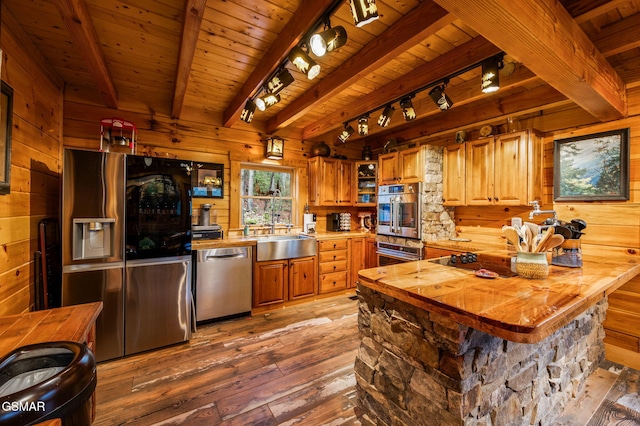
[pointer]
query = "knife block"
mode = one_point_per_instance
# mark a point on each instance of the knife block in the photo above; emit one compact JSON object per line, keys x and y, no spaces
{"x":568,"y":254}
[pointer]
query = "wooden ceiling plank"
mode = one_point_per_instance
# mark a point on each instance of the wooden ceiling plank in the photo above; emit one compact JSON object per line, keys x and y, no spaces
{"x":192,"y":20}
{"x":75,"y":15}
{"x":290,"y":36}
{"x":424,"y":20}
{"x":471,"y":52}
{"x":545,"y":38}
{"x":619,"y":37}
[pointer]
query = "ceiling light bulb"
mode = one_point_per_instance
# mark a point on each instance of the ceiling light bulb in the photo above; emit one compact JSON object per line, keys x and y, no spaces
{"x":328,"y":40}
{"x":440,"y":98}
{"x":490,"y":74}
{"x":304,"y":63}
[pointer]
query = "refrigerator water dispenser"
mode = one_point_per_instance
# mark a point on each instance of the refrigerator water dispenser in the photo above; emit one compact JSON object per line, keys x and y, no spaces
{"x":93,"y":238}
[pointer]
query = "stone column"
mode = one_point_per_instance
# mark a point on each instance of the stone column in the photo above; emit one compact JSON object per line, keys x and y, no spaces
{"x":419,"y":368}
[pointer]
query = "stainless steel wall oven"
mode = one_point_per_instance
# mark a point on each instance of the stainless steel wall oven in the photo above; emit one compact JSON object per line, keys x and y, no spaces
{"x":391,"y":254}
{"x":399,"y":210}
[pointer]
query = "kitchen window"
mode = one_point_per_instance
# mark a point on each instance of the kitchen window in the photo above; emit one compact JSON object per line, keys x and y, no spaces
{"x":265,"y":193}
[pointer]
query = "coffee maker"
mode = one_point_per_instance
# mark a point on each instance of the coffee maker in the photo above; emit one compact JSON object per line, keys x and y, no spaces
{"x":205,"y":229}
{"x":339,"y":222}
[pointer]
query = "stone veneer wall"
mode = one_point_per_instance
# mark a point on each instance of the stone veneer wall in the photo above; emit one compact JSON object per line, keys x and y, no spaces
{"x":419,"y":368}
{"x":437,"y":220}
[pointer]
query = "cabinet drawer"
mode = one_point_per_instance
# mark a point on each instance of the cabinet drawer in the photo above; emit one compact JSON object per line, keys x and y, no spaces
{"x":333,"y":282}
{"x":332,"y":245}
{"x":328,"y":267}
{"x":332,"y":256}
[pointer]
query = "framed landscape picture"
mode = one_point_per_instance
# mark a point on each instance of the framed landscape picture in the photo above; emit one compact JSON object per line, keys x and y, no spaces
{"x":592,"y":167}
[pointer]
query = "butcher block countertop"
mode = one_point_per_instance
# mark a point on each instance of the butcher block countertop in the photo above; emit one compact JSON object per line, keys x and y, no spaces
{"x":71,"y":323}
{"x":516,"y":309}
{"x":252,"y":239}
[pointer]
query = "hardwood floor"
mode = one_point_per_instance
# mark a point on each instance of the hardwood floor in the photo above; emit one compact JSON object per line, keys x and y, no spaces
{"x":287,"y":367}
{"x":290,"y":366}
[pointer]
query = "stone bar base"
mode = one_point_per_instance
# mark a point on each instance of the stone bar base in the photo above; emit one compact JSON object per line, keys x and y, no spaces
{"x":419,"y":368}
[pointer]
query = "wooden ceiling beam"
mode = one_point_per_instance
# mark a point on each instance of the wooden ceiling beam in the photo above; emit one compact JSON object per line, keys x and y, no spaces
{"x":512,"y":102}
{"x":619,"y":37}
{"x":304,"y":17}
{"x":455,"y":60}
{"x":191,"y":22}
{"x":547,"y":40}
{"x":421,"y":22}
{"x":75,"y":15}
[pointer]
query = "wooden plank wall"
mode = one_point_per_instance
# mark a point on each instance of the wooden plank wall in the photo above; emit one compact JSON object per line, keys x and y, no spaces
{"x":35,"y":166}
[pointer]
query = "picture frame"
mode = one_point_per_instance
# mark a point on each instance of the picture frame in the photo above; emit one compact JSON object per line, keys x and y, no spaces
{"x":6,"y":124}
{"x":592,"y":167}
{"x":208,"y":180}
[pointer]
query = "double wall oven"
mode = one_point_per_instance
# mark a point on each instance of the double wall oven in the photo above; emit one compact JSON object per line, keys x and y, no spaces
{"x":399,"y":215}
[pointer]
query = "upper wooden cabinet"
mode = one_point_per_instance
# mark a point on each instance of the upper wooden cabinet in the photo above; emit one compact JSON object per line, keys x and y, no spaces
{"x":400,"y":167}
{"x":330,"y":182}
{"x":365,"y":183}
{"x":505,"y":170}
{"x":453,"y":175}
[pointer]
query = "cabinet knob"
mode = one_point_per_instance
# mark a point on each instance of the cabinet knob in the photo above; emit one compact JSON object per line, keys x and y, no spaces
{"x":334,"y":267}
{"x":334,"y":257}
{"x":497,"y":199}
{"x":489,"y":199}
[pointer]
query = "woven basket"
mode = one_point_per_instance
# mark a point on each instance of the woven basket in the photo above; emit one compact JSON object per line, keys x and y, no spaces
{"x":532,"y":265}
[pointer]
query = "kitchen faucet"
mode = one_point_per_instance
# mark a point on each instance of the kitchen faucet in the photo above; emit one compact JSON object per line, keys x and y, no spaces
{"x":275,"y":193}
{"x":536,"y":211}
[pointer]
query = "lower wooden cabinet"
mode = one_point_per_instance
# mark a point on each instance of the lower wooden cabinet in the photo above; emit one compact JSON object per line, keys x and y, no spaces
{"x":370,"y":253}
{"x":357,"y":260}
{"x":280,"y":280}
{"x":333,"y":265}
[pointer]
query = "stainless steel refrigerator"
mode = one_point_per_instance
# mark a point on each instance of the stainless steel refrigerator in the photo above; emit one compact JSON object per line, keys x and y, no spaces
{"x":125,"y":243}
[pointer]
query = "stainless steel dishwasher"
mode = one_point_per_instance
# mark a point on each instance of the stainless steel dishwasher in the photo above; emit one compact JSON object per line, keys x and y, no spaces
{"x":223,"y":283}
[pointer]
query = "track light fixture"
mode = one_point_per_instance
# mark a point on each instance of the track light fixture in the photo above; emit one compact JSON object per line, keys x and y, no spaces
{"x":490,"y":75}
{"x":363,"y":11}
{"x":279,"y":81}
{"x":346,"y":133}
{"x":408,"y":111}
{"x":267,"y":100}
{"x":440,"y":97}
{"x":304,"y":63}
{"x":328,"y":40}
{"x":385,"y":117}
{"x":363,"y":125}
{"x":247,"y":112}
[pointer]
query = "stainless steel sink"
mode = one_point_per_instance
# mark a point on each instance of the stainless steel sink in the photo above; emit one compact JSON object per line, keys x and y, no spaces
{"x":278,"y":247}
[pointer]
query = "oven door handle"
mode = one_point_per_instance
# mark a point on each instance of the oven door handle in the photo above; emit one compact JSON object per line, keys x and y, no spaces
{"x":396,"y":215}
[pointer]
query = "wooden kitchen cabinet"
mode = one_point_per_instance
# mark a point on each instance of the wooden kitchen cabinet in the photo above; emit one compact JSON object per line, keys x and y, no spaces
{"x":370,"y":253}
{"x":357,"y":259}
{"x":505,"y":170}
{"x":365,"y":183}
{"x":453,"y":175}
{"x":330,"y":182}
{"x":280,"y":280}
{"x":333,"y":265}
{"x":400,"y":167}
{"x":303,"y":277}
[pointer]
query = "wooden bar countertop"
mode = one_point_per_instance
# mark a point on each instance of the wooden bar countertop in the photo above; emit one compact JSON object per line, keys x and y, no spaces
{"x":71,"y":323}
{"x":516,"y":309}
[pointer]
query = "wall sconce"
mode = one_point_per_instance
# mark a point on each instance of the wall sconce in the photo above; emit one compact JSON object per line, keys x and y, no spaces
{"x":328,"y":40}
{"x":408,"y":111}
{"x":279,"y":81}
{"x":267,"y":100}
{"x":247,"y":112}
{"x":440,"y":98}
{"x":363,"y":125}
{"x":346,"y":133}
{"x":385,"y":117}
{"x":363,"y":11}
{"x":490,"y":75}
{"x":275,"y":148}
{"x":304,"y":63}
